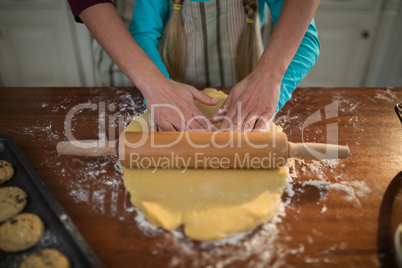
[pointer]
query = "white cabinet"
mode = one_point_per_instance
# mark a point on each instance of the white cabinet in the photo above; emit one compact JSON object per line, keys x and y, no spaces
{"x":37,"y":44}
{"x":346,"y":30}
{"x":385,"y":68}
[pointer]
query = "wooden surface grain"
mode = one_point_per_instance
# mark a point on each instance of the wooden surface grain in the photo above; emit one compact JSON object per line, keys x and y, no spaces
{"x":337,"y":213}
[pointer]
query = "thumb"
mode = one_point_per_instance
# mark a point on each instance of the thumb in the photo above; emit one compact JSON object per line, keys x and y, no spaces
{"x":203,"y":98}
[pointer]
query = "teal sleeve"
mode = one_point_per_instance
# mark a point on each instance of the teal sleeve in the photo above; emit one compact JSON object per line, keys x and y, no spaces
{"x":146,"y":27}
{"x":305,"y":58}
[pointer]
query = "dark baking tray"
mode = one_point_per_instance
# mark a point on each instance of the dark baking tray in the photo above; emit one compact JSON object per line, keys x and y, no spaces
{"x":61,"y":234}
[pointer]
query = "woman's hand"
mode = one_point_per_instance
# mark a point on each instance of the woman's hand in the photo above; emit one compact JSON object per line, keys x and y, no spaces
{"x":171,"y":107}
{"x":250,"y":105}
{"x":252,"y":102}
{"x":171,"y":104}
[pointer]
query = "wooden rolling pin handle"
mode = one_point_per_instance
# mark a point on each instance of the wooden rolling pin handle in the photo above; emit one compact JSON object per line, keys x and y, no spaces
{"x":317,"y":151}
{"x":87,"y":148}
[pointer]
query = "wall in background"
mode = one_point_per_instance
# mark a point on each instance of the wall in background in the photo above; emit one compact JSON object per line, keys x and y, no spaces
{"x":359,"y":44}
{"x":385,"y":67}
{"x":40,"y":45}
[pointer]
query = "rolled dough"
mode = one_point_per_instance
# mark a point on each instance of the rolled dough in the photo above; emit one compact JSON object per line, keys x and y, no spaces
{"x":210,"y":203}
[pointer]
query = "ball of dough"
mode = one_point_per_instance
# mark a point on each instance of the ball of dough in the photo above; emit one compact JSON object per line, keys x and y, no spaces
{"x":21,"y":232}
{"x":46,"y":258}
{"x":12,"y":201}
{"x":6,"y":171}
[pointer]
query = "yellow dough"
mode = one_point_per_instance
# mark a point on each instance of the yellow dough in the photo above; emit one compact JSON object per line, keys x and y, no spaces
{"x":210,"y":203}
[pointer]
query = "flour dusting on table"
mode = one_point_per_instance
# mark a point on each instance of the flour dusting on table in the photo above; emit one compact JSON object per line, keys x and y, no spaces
{"x":96,"y":182}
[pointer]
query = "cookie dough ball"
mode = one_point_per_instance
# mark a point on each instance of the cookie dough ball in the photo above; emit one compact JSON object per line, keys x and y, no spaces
{"x":6,"y":171}
{"x":21,"y":232}
{"x":46,"y":258}
{"x":12,"y":201}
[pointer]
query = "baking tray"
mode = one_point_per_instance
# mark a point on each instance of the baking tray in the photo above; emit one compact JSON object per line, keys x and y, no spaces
{"x":61,"y":234}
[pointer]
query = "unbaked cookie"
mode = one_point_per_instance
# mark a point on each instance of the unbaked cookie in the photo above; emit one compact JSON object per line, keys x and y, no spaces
{"x":12,"y":202}
{"x":6,"y":171}
{"x":21,"y":232}
{"x":46,"y":258}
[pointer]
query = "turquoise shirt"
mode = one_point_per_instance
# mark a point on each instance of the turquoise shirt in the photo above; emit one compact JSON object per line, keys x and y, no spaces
{"x":151,"y":16}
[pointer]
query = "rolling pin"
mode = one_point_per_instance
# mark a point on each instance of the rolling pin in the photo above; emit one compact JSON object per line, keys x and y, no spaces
{"x":203,"y":149}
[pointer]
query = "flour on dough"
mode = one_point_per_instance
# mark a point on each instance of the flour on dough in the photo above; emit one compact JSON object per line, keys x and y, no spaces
{"x":210,"y":203}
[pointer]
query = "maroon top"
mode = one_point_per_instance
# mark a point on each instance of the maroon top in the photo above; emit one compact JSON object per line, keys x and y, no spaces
{"x":77,"y":6}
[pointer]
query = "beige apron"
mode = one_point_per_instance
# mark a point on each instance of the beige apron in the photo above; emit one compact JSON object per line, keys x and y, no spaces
{"x":106,"y":72}
{"x":213,"y":29}
{"x":210,"y":59}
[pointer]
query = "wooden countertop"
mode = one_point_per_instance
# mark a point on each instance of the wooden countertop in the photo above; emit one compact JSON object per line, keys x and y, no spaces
{"x":338,"y":213}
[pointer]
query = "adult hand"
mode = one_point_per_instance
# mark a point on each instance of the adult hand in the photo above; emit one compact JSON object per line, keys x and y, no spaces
{"x":252,"y":102}
{"x":250,"y":105}
{"x":171,"y":104}
{"x":171,"y":107}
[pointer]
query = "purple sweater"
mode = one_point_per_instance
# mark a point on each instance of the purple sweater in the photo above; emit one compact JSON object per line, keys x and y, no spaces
{"x":77,"y":6}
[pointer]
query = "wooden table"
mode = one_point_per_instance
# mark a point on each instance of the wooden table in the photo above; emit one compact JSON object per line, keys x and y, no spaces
{"x":338,"y":213}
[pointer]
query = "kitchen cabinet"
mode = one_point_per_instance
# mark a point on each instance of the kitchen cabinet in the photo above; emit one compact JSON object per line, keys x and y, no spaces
{"x":346,"y":30}
{"x":385,"y":68}
{"x":38,"y":44}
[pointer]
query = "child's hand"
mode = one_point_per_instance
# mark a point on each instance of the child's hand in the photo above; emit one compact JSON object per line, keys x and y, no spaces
{"x":171,"y":107}
{"x":250,"y":105}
